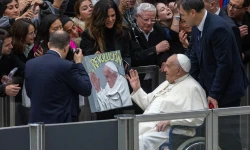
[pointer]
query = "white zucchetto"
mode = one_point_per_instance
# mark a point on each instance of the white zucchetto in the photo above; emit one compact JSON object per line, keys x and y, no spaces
{"x":112,"y":66}
{"x":184,"y":62}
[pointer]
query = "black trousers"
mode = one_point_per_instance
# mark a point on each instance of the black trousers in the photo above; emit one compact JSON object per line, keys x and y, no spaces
{"x":229,"y":129}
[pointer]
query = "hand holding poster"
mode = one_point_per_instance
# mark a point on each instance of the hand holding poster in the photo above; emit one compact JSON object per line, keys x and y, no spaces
{"x":109,"y":86}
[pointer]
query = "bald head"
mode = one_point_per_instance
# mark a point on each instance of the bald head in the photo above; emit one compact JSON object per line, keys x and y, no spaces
{"x":59,"y":39}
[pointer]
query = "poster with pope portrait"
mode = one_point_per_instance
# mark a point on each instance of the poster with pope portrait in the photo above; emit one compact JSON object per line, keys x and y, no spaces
{"x":109,"y":85}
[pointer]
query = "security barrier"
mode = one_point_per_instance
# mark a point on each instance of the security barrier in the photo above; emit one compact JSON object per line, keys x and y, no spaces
{"x":116,"y":134}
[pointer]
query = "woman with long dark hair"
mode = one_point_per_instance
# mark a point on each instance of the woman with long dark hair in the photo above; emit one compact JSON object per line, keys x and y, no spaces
{"x":105,"y":32}
{"x":49,"y":24}
{"x":24,"y":33}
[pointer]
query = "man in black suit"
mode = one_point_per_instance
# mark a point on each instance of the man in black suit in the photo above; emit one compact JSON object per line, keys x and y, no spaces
{"x":53,"y":83}
{"x":216,"y":63}
{"x":237,"y":10}
{"x":213,"y":6}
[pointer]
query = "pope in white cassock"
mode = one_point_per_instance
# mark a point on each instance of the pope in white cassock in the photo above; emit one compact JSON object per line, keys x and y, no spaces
{"x":116,"y":92}
{"x":180,"y":92}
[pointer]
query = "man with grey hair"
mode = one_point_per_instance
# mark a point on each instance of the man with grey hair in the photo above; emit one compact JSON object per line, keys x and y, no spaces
{"x":180,"y":92}
{"x":116,"y":92}
{"x":150,"y":38}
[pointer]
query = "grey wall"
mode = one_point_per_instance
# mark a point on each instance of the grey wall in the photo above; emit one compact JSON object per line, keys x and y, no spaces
{"x":88,"y":136}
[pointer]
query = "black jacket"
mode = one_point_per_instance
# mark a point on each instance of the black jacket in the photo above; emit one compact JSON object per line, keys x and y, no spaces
{"x":235,"y":29}
{"x":2,"y":90}
{"x":89,"y":46}
{"x":144,"y":52}
{"x":245,"y":41}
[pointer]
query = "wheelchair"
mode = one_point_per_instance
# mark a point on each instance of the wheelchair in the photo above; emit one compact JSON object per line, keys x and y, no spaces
{"x":182,"y":142}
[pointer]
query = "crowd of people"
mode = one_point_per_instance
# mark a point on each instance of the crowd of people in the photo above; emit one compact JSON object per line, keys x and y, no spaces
{"x":200,"y":46}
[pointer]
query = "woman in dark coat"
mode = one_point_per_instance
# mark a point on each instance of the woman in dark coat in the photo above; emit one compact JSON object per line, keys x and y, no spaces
{"x":104,"y":33}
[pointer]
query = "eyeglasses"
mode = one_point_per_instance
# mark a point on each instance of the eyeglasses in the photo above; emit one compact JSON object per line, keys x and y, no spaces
{"x":32,"y":34}
{"x":234,"y":7}
{"x":147,"y":20}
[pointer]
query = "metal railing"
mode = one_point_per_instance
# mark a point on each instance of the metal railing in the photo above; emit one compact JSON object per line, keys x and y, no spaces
{"x":228,"y":112}
{"x":183,"y":115}
{"x":7,"y":111}
{"x":121,"y":133}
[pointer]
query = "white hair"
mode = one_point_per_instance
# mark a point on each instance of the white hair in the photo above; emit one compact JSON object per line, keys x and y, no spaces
{"x":145,"y":7}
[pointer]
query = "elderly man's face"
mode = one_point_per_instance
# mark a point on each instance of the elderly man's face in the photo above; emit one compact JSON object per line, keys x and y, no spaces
{"x":146,"y":20}
{"x":110,"y":77}
{"x":172,"y":69}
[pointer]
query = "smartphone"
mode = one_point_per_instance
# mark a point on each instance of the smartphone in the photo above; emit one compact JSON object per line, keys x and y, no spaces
{"x":39,"y":45}
{"x":10,"y":75}
{"x":126,"y":66}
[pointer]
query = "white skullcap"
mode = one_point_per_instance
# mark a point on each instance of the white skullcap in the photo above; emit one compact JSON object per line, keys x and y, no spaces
{"x":111,"y":65}
{"x":184,"y":62}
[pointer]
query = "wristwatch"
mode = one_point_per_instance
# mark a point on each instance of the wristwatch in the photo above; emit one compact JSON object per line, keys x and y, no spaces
{"x":177,"y":17}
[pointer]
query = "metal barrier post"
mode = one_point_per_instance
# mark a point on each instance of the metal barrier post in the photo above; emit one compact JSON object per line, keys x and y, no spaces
{"x":6,"y":112}
{"x":215,"y":127}
{"x":209,"y":131}
{"x":1,"y":112}
{"x":125,"y":131}
{"x":37,"y":136}
{"x":245,"y":110}
{"x":12,"y":110}
{"x":136,"y":134}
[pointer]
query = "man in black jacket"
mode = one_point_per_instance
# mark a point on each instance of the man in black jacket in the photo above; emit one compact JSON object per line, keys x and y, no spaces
{"x":5,"y":64}
{"x":150,"y":38}
{"x":213,"y":6}
{"x":238,"y":11}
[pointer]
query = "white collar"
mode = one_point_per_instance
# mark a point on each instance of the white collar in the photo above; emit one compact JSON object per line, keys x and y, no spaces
{"x":218,"y":11}
{"x":181,"y":78}
{"x":201,"y":25}
{"x":56,"y":52}
{"x":146,"y":35}
{"x":148,"y":32}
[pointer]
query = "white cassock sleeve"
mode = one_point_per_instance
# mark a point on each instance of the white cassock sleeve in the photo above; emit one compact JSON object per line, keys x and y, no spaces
{"x":142,"y":99}
{"x":196,"y":101}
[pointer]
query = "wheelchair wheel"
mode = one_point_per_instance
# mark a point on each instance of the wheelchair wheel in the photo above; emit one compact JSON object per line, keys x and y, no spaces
{"x":196,"y":143}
